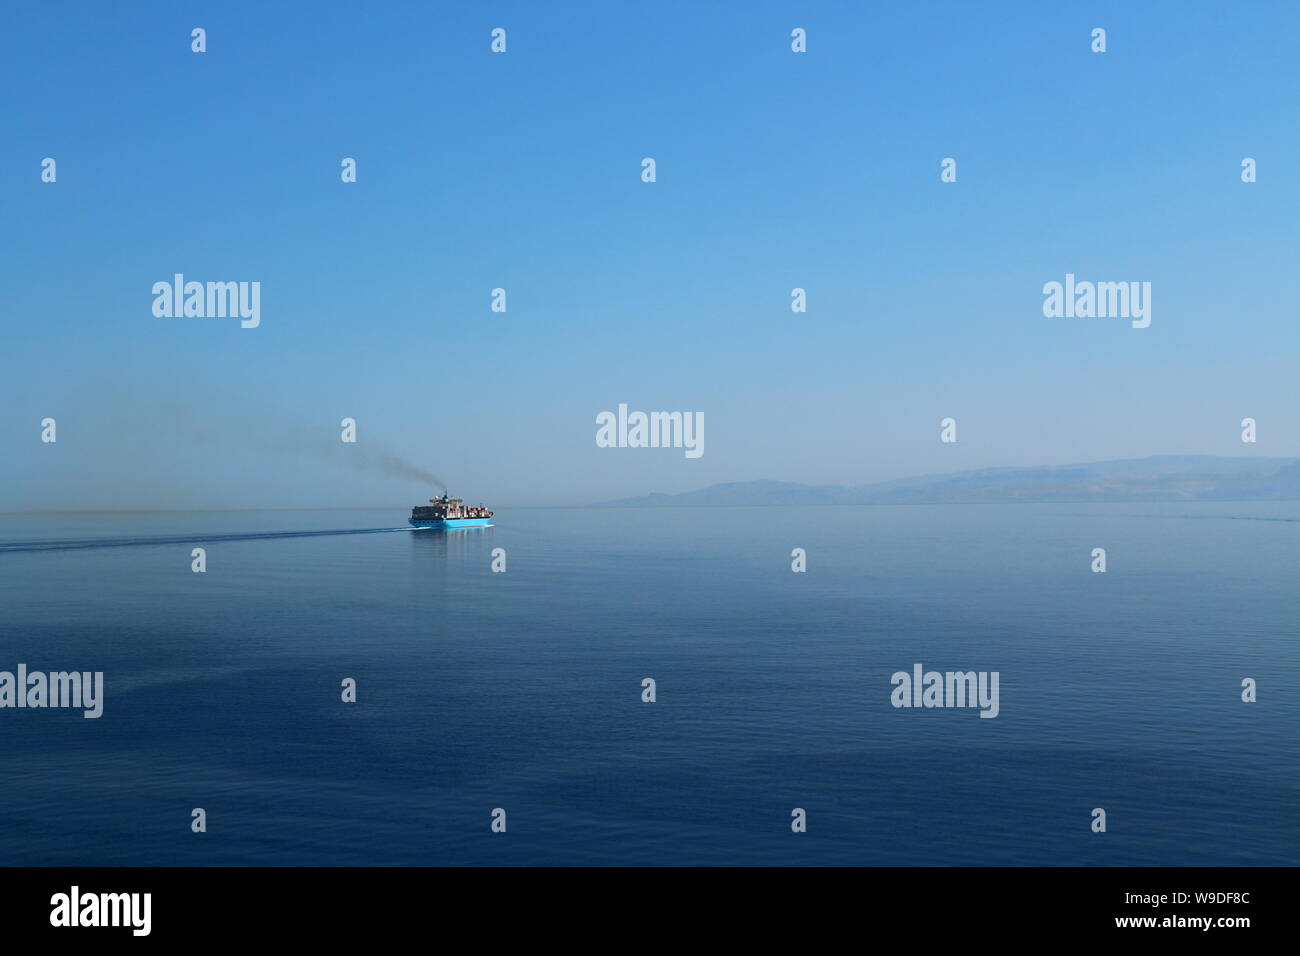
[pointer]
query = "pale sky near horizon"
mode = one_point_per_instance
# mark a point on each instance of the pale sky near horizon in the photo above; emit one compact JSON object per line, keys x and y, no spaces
{"x":522,"y":170}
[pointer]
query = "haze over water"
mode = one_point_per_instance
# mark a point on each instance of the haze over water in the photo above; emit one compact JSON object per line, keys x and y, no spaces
{"x":522,"y":690}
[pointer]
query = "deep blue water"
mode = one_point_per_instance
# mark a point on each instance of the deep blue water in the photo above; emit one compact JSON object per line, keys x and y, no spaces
{"x":522,"y":690}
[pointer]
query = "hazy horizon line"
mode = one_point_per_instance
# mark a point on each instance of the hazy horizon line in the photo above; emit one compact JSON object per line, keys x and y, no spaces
{"x":603,"y":506}
{"x":608,"y":503}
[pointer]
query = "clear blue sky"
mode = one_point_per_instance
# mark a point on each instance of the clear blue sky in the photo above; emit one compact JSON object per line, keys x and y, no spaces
{"x":522,"y":170}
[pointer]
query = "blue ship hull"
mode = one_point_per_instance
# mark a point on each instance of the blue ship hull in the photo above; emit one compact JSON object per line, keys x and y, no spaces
{"x":450,"y":524}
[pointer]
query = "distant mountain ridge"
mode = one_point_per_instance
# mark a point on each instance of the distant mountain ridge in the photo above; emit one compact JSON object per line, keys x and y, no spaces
{"x":1159,"y":478}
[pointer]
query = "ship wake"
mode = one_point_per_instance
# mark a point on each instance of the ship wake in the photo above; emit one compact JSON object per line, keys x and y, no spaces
{"x":78,"y":544}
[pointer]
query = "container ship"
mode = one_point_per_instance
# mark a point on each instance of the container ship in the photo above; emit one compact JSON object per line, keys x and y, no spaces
{"x":447,"y":512}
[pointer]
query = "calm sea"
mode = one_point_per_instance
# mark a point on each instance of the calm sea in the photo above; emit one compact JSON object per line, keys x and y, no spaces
{"x":522,"y":690}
